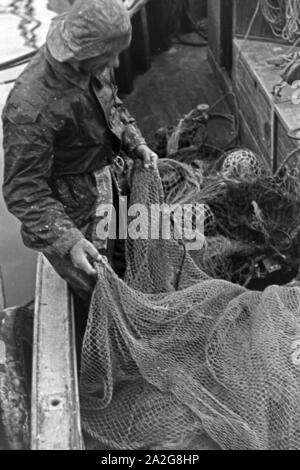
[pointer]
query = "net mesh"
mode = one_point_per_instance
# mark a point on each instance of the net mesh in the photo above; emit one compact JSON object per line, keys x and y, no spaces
{"x":249,"y":214}
{"x":170,"y":353}
{"x":241,"y":163}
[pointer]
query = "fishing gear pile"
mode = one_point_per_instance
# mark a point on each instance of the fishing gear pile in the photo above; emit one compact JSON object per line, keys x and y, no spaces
{"x":283,"y":17}
{"x":252,"y":217}
{"x":203,"y":134}
{"x":171,"y":354}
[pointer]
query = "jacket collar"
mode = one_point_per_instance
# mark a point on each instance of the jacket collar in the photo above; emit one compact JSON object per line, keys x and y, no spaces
{"x":70,"y":74}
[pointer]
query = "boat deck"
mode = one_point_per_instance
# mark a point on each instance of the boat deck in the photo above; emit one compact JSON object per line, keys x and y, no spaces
{"x":178,"y":81}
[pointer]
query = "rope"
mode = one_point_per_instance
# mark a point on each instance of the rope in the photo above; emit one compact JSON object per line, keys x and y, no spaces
{"x":283,"y":17}
{"x":287,"y":158}
{"x":248,"y":32}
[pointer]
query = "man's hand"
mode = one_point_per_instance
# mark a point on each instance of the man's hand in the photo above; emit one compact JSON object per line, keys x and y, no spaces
{"x":82,"y":253}
{"x":147,"y":155}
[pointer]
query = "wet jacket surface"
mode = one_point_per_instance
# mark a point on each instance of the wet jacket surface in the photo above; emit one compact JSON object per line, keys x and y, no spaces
{"x":59,"y":128}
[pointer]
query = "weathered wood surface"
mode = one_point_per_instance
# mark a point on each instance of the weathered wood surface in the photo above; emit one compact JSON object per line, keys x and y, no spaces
{"x":244,"y":11}
{"x":285,"y":145}
{"x":247,"y":137}
{"x":255,"y":55}
{"x":55,"y":423}
{"x":255,"y":107}
{"x":2,"y":293}
{"x":270,"y":119}
{"x":14,"y":394}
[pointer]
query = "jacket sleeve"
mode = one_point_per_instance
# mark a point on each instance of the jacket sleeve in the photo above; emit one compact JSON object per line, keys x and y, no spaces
{"x":131,"y":136}
{"x":28,"y":154}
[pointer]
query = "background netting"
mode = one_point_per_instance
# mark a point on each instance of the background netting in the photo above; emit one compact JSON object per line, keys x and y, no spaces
{"x":252,"y":217}
{"x":170,"y":353}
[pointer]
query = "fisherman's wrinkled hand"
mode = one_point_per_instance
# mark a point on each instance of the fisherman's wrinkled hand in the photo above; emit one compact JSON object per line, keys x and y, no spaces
{"x":148,"y":157}
{"x":83,"y":254}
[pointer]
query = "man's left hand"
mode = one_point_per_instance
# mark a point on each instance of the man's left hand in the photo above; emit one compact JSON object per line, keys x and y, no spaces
{"x":147,"y":155}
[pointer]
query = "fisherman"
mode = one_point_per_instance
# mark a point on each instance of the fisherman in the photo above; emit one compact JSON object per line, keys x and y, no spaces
{"x":64,"y":125}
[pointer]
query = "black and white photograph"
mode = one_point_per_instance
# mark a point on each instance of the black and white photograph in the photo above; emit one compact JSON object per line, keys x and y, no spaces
{"x":149,"y":228}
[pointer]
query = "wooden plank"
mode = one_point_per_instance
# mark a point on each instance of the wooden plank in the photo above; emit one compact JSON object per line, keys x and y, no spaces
{"x":14,"y":389}
{"x":256,"y":106}
{"x":247,"y":138}
{"x":221,"y":75}
{"x":244,"y":11}
{"x":258,"y":121}
{"x":244,"y":76}
{"x":286,"y":115}
{"x":255,"y":54}
{"x":55,"y":423}
{"x":285,"y":145}
{"x":2,"y":292}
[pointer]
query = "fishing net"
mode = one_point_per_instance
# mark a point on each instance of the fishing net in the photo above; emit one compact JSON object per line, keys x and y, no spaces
{"x":250,"y":215}
{"x":241,"y":163}
{"x":180,"y":182}
{"x":202,"y":134}
{"x":283,"y":17}
{"x":170,"y":353}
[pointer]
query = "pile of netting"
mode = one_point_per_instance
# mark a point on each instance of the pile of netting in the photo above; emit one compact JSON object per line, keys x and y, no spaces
{"x":202,"y":134}
{"x":170,"y":353}
{"x":252,"y":218}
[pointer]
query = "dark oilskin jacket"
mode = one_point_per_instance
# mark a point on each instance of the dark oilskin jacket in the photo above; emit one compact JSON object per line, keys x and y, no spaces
{"x":60,"y":126}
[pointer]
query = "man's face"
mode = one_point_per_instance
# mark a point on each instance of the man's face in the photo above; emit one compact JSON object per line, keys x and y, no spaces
{"x":96,"y":65}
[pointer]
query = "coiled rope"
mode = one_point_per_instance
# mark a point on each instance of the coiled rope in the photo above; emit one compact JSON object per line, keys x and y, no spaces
{"x":283,"y":17}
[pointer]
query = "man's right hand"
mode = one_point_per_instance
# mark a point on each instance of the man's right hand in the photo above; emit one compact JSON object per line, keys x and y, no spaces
{"x":82,"y":253}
